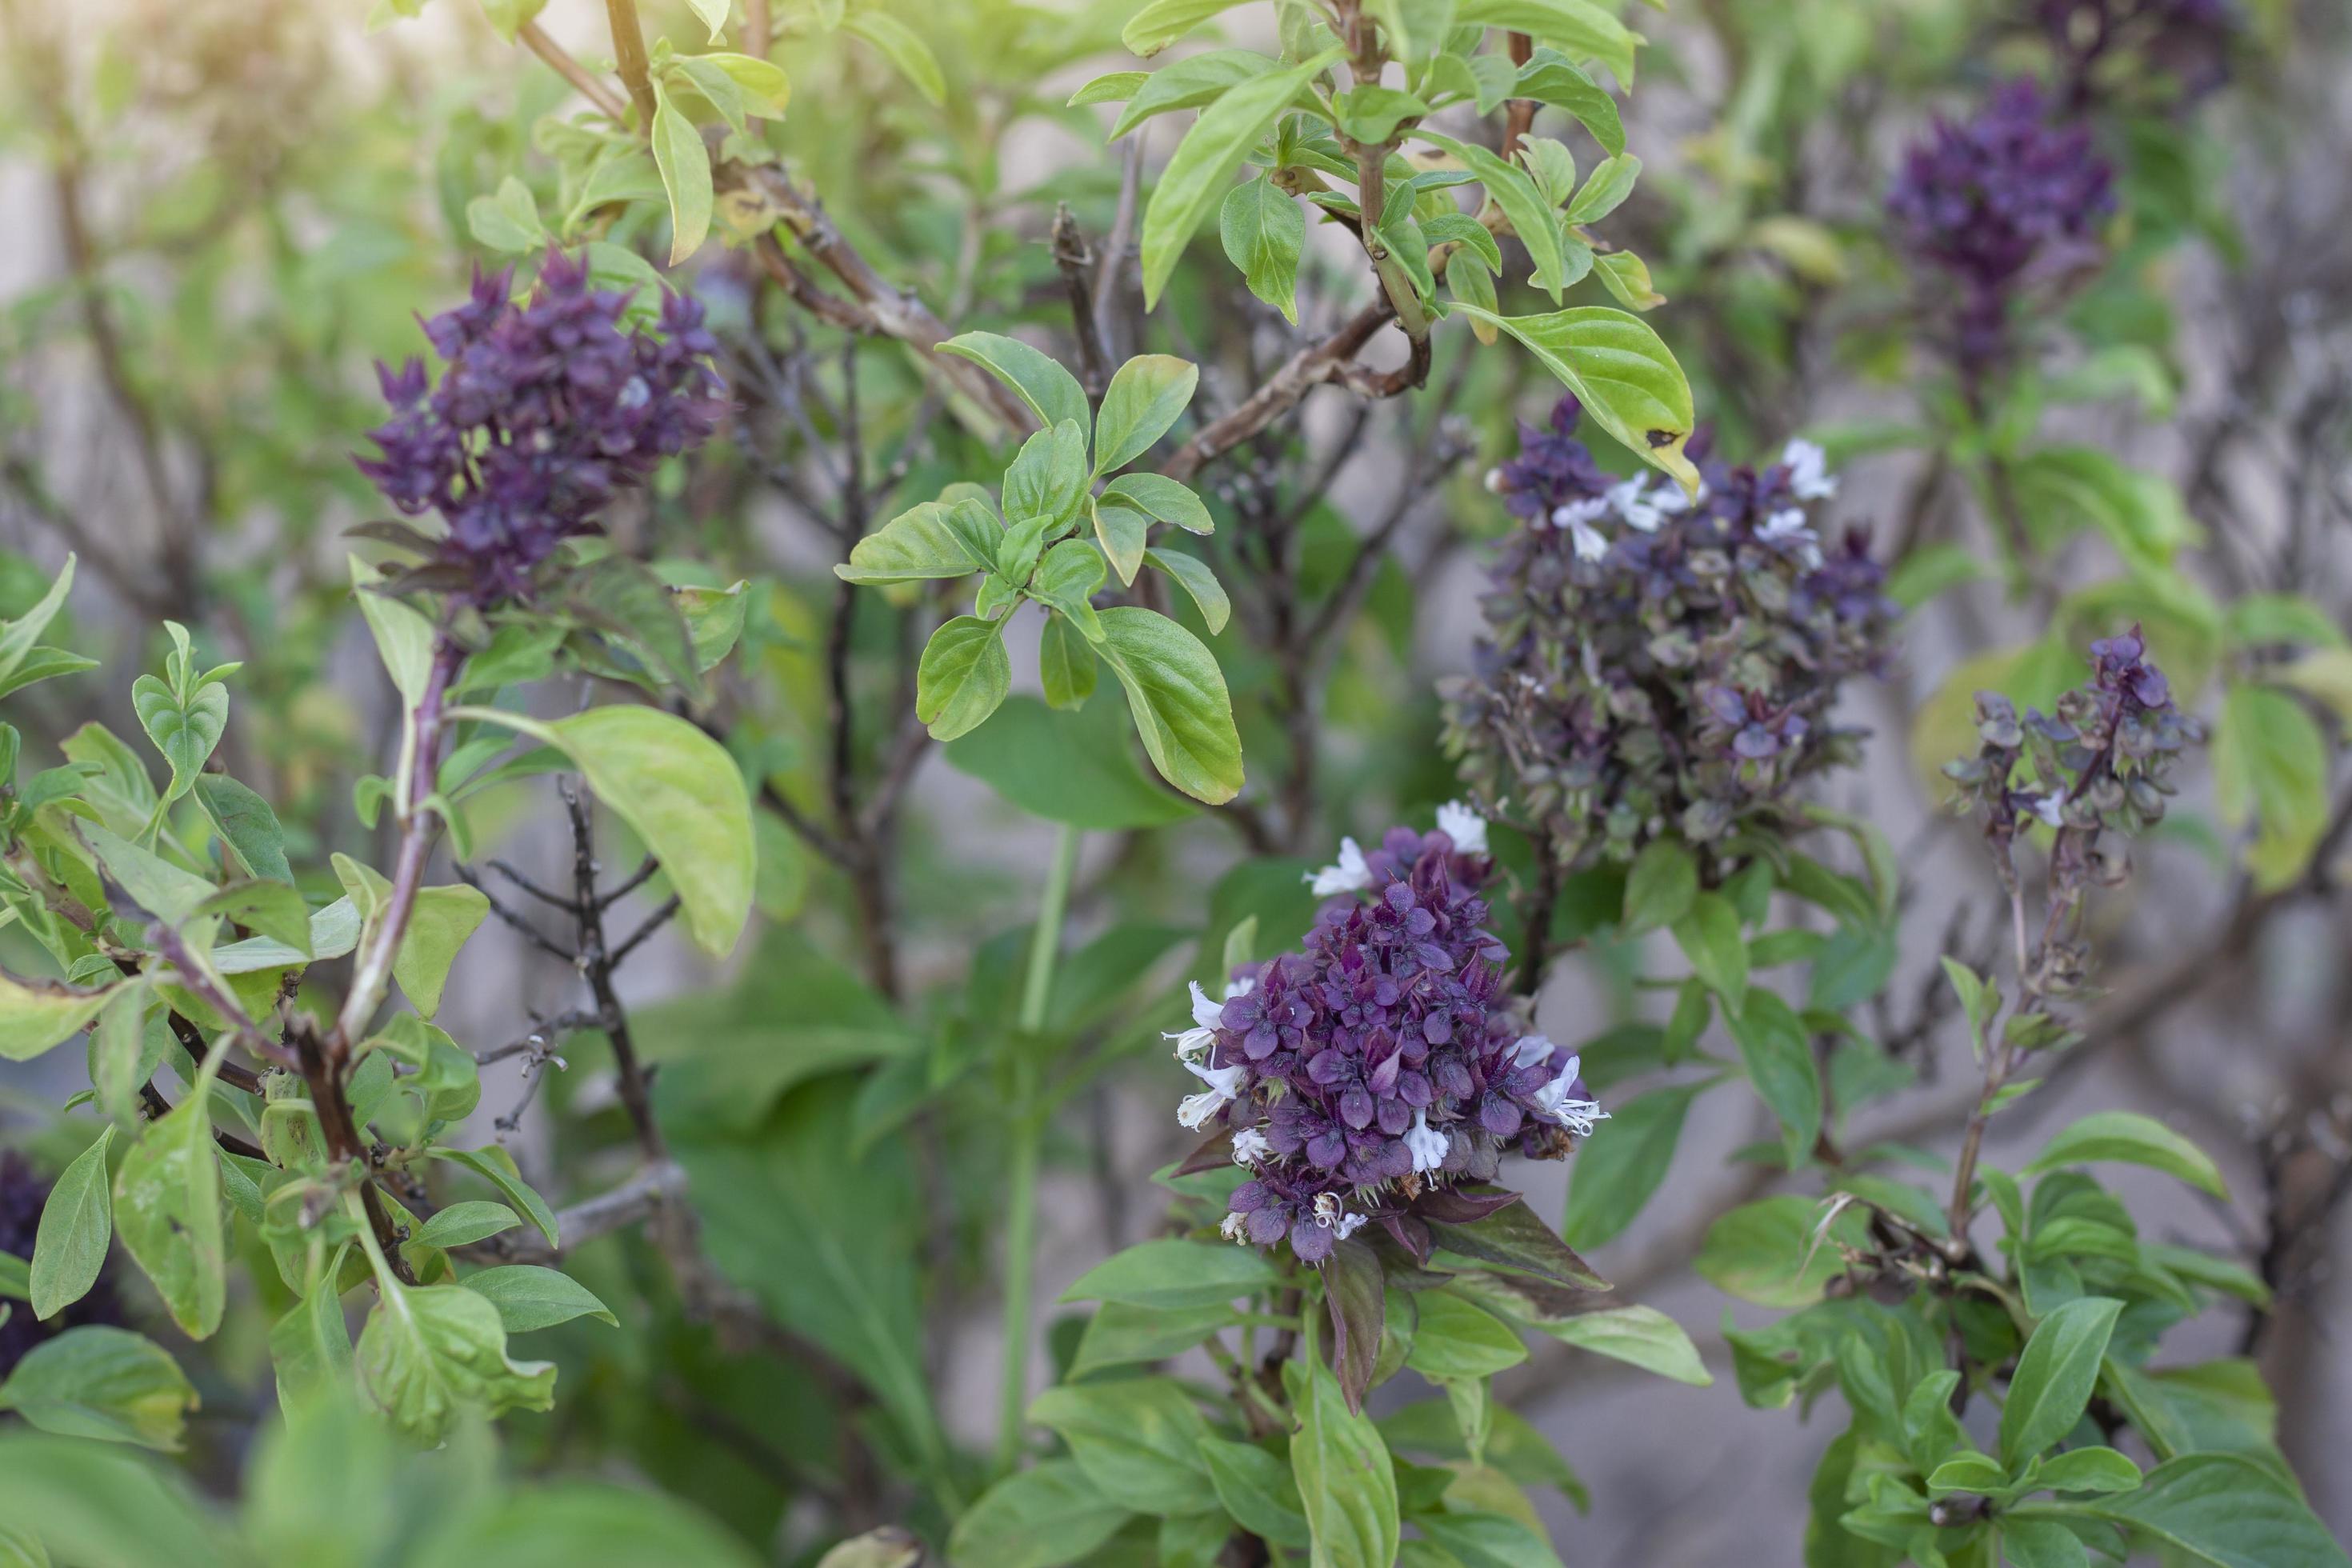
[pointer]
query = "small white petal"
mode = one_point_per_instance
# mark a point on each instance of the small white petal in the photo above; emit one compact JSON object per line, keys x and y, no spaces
{"x":1463,"y":825}
{"x":1425,"y":1143}
{"x":1351,"y":873}
{"x":1190,"y":1043}
{"x":1809,"y":475}
{"x":1232,"y":1227}
{"x":1590,"y":544}
{"x":1208,"y":1014}
{"x":1250,"y":1146}
{"x":1347,"y":1224}
{"x":1529,"y":1049}
{"x":1225,"y":1086}
{"x":1242,"y":987}
{"x":1494,"y":481}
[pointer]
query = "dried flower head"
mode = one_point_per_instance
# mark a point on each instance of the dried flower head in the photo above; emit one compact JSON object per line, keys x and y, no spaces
{"x":544,"y":412}
{"x":1653,"y":666}
{"x":1385,"y":1062}
{"x":2000,"y":203}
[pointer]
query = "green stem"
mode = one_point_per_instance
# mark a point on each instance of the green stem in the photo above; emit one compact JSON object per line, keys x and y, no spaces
{"x":1028,"y":1132}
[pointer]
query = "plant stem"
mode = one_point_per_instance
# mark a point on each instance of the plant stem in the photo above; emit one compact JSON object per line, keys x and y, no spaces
{"x":1028,"y":1134}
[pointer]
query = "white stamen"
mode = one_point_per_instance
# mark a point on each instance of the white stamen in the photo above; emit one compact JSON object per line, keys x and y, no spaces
{"x":1463,"y":825}
{"x":1250,"y":1146}
{"x":1350,"y":875}
{"x":1232,"y":1228}
{"x":1347,"y":1224}
{"x":1577,"y":1115}
{"x":1427,"y":1145}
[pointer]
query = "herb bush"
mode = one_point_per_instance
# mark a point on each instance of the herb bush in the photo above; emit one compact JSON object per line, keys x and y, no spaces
{"x":853,"y":783}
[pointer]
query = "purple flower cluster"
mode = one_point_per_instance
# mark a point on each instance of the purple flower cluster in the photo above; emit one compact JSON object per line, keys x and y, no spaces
{"x":1384,"y":1063}
{"x":1654,"y":666}
{"x":544,"y":412}
{"x":1999,"y":204}
{"x":22,"y":1195}
{"x":2097,"y":763}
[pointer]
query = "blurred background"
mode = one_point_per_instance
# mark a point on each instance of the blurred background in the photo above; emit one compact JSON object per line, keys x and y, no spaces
{"x":222,"y":211}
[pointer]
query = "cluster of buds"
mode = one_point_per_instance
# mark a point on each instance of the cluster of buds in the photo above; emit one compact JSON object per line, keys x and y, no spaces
{"x":2001,"y":205}
{"x":2093,"y":771}
{"x":22,"y":1195}
{"x":544,"y":412}
{"x":1386,"y":1061}
{"x":1655,"y":665}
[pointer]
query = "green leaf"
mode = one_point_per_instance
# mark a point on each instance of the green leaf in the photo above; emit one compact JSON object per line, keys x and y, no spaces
{"x":2041,"y":1544}
{"x":685,"y":165}
{"x":2128,"y":1138}
{"x":1162,"y":22}
{"x":155,"y":885}
{"x":903,"y":47}
{"x":247,"y":823}
{"x":1458,"y":1340}
{"x":1264,"y":231}
{"x":509,"y":222}
{"x":1605,"y":189}
{"x":529,"y":1297}
{"x":184,"y":732}
{"x":1158,"y":495}
{"x":1051,"y":393}
{"x":1549,"y":77}
{"x":1967,"y":1473}
{"x":2055,"y":1376}
{"x":2269,"y":764}
{"x":438,"y":924}
{"x":125,"y":1049}
{"x":497,"y":1166}
{"x":77,"y":1226}
{"x":1122,"y":1335}
{"x":1347,"y":1487}
{"x":1123,"y":535}
{"x":1192,"y":182}
{"x":1174,"y":1274}
{"x":1615,"y":1174}
{"x":1583,"y":28}
{"x":963,"y":676}
{"x":311,"y":1346}
{"x":574,"y":1522}
{"x":1178,"y":697}
{"x":1042,"y":1517}
{"x":1622,"y":374}
{"x":1778,"y":1252}
{"x":2222,"y":1509}
{"x":1660,"y":886}
{"x":1531,"y":218}
{"x":462,"y":1223}
{"x":167,"y":1210}
{"x":1065,"y":665}
{"x":102,"y":1382}
{"x":1257,"y":1489}
{"x":1208,"y":593}
{"x":623,"y":599}
{"x":1478,"y":1539}
{"x":1148,"y":394}
{"x":1074,"y":767}
{"x":1778,"y":1056}
{"x":37,"y":1016}
{"x":1111,"y":86}
{"x":713,"y":15}
{"x":678,"y":791}
{"x":101,"y":1505}
{"x":1371,"y":113}
{"x":2087,"y":1471}
{"x":938,"y":538}
{"x":1137,"y":1439}
{"x":1639,"y":1336}
{"x":1046,"y":481}
{"x":20,"y":637}
{"x":1708,"y":935}
{"x":404,"y":639}
{"x":429,"y":1355}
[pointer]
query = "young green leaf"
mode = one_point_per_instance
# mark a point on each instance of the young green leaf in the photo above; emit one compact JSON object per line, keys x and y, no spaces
{"x":1137,"y":1440}
{"x":462,"y":1223}
{"x":1051,"y":393}
{"x":963,"y":674}
{"x":685,"y":165}
{"x":185,"y":731}
{"x":2055,"y":1376}
{"x":36,"y":1017}
{"x":1708,"y":935}
{"x":498,"y":1167}
{"x":1162,"y":22}
{"x":1622,"y":374}
{"x":1193,"y":573}
{"x":1065,"y":664}
{"x":1257,"y":1489}
{"x":1612,"y":1178}
{"x":1192,"y":183}
{"x":529,"y":1297}
{"x":1161,"y":498}
{"x":1778,"y":1056}
{"x":104,"y":1383}
{"x":938,"y":538}
{"x":167,"y":1210}
{"x":1048,"y":1513}
{"x":1145,"y":395}
{"x":1660,"y":886}
{"x":77,"y":1226}
{"x":1178,"y":697}
{"x":429,"y":1355}
{"x":2128,"y":1138}
{"x":903,"y":47}
{"x":1263,"y":231}
{"x":1347,"y":1487}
